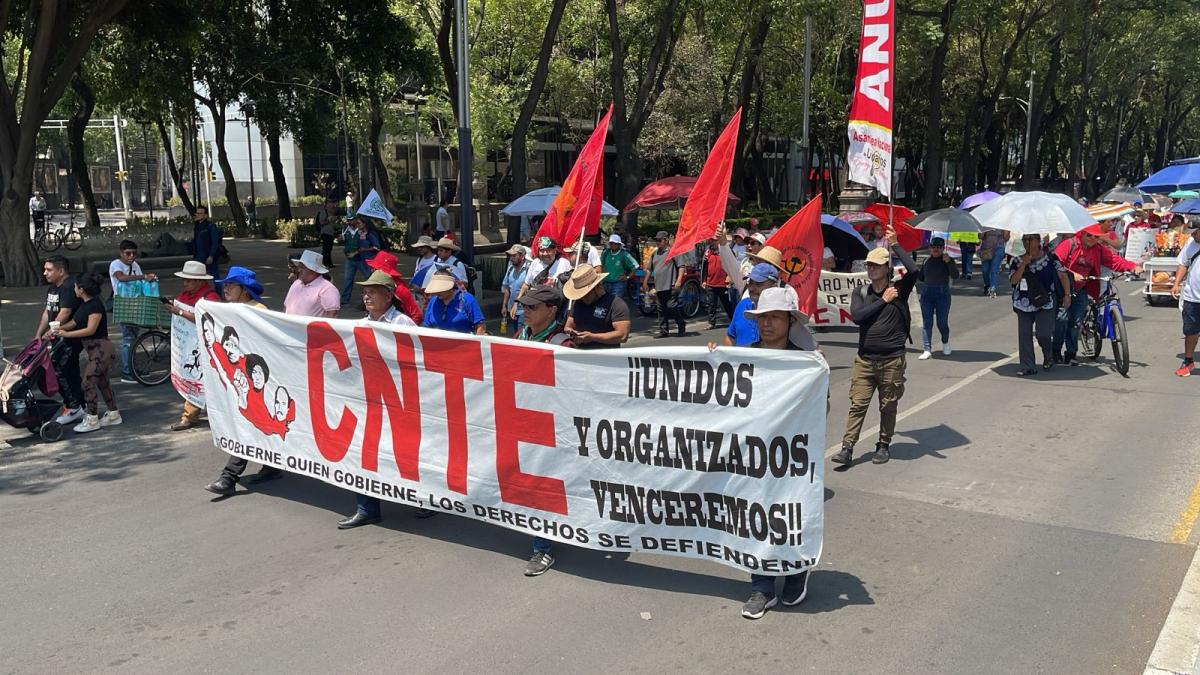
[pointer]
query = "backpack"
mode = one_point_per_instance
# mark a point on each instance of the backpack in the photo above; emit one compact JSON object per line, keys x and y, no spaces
{"x":385,"y":244}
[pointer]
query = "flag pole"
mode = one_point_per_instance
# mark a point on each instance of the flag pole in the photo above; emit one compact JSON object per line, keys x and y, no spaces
{"x":578,"y":255}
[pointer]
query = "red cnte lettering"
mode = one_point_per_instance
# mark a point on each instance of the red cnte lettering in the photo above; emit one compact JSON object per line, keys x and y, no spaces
{"x":818,"y":316}
{"x":512,"y":364}
{"x":379,"y":391}
{"x":332,"y":442}
{"x":456,"y":360}
{"x":845,"y":316}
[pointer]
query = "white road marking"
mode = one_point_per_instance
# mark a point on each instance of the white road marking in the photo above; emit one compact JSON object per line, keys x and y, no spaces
{"x":1178,"y":645}
{"x":833,"y":449}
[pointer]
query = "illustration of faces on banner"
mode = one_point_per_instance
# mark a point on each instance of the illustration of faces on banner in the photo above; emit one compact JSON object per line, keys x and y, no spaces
{"x":249,"y":375}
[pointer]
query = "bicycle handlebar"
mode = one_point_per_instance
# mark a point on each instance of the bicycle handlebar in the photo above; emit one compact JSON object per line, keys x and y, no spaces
{"x":1109,"y":278}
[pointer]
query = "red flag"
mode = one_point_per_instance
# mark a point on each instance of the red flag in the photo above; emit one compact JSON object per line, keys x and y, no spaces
{"x":705,"y":207}
{"x":802,"y":246}
{"x":577,"y":206}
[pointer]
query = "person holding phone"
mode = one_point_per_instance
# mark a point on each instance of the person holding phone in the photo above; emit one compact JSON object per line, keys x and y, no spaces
{"x":197,"y":286}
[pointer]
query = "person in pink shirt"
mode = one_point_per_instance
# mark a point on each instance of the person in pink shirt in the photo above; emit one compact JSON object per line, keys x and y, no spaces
{"x":312,"y":294}
{"x":1083,"y":257}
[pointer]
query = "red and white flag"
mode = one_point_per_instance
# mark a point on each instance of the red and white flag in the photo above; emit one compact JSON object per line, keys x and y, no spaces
{"x":870,"y":129}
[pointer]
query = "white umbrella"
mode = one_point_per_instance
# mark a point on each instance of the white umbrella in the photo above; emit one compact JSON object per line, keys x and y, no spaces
{"x":538,"y":202}
{"x":1034,"y":213}
{"x":946,"y":220}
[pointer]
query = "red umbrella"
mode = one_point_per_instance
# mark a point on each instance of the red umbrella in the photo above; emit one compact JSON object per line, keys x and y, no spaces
{"x":668,"y":193}
{"x":907,"y":236}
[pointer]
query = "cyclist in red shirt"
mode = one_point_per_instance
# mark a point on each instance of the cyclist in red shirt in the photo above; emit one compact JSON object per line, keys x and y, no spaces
{"x":1083,"y":257}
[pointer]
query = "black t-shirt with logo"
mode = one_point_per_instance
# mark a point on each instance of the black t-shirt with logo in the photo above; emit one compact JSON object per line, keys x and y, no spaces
{"x":599,"y":318}
{"x":61,"y":297}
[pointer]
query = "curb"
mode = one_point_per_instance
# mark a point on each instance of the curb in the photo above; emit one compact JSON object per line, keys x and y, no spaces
{"x":1177,"y":649}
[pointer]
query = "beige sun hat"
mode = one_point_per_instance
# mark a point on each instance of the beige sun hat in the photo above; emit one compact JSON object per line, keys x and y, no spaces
{"x":583,"y":279}
{"x":194,"y":269}
{"x":769,"y":255}
{"x":784,"y":299}
{"x":440,"y":281}
{"x":447,"y":242}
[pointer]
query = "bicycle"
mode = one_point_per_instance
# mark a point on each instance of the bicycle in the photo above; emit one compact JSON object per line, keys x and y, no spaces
{"x":1105,"y":320}
{"x":55,"y":235}
{"x":151,"y":357}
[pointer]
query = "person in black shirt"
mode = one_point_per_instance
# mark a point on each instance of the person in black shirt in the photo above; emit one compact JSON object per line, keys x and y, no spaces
{"x":936,"y":274}
{"x":88,"y":329}
{"x":61,"y":302}
{"x":598,"y":320}
{"x":881,"y":311}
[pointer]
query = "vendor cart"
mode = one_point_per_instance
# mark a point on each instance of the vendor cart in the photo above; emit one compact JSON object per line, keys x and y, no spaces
{"x":1160,"y":278}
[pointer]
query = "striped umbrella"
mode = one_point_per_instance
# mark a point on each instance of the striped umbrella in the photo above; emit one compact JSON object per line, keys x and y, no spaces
{"x":1103,"y":212}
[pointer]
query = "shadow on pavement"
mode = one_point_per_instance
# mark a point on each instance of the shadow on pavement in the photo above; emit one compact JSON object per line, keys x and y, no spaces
{"x":30,"y":470}
{"x":969,"y":356}
{"x":929,"y":442}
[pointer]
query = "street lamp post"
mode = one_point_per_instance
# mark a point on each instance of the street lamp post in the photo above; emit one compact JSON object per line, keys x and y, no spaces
{"x":253,"y":211}
{"x":1028,"y":126}
{"x":146,"y":162}
{"x":467,"y":210}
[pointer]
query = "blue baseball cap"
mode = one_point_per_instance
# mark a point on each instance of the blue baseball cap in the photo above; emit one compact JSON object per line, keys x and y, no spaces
{"x":763,"y":272}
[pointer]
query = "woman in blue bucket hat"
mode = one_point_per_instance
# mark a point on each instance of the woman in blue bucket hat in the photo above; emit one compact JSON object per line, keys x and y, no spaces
{"x":241,"y":285}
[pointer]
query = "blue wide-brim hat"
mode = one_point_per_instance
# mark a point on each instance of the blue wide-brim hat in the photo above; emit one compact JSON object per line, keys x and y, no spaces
{"x":243,"y":277}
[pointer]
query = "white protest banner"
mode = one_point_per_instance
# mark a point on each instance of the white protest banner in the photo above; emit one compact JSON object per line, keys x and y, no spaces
{"x":373,"y":206}
{"x":185,"y":358}
{"x":710,"y":455}
{"x":834,"y":293}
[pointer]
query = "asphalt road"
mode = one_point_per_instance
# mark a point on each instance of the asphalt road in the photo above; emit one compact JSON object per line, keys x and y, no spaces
{"x":1024,"y":525}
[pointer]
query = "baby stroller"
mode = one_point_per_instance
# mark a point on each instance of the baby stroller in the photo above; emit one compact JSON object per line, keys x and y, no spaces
{"x":29,"y":372}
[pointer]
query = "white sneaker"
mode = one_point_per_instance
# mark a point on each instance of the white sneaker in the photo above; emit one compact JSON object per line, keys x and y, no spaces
{"x":111,"y":419}
{"x":946,"y":349}
{"x":128,"y":380}
{"x":68,"y":415}
{"x":925,"y":355}
{"x":89,"y":423}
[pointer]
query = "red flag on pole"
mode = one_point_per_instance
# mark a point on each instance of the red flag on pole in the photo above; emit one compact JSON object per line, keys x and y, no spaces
{"x":705,"y":207}
{"x":802,"y":246}
{"x":577,"y":206}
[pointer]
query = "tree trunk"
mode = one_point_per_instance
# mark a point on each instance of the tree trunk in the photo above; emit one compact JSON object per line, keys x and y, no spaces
{"x":446,"y":52}
{"x":75,"y":128}
{"x":176,"y":177}
{"x":282,"y":197}
{"x":741,"y":181}
{"x":1029,"y":171}
{"x":518,"y":156}
{"x":231,"y":193}
{"x":16,"y":248}
{"x":934,"y":137}
{"x":382,"y":182}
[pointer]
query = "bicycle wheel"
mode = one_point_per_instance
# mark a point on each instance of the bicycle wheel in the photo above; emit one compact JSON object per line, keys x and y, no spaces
{"x":152,"y":358}
{"x":689,"y":299}
{"x":1089,"y":337}
{"x":1120,"y":340}
{"x":49,"y":241}
{"x":72,"y":239}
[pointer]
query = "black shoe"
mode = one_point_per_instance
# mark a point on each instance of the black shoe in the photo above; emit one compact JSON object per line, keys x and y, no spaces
{"x":358,"y":520}
{"x":264,"y":474}
{"x":843,"y":457}
{"x":682,"y":332}
{"x":1047,"y":363}
{"x":758,"y":604}
{"x":882,"y":455}
{"x":662,"y":334}
{"x":1069,"y":359}
{"x":425,"y":513}
{"x":223,"y":486}
{"x":795,"y":588}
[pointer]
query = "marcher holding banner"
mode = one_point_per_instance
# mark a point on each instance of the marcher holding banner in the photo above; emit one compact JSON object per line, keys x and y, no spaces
{"x":196,"y":287}
{"x":781,"y":325}
{"x":714,"y":456}
{"x":884,"y":322}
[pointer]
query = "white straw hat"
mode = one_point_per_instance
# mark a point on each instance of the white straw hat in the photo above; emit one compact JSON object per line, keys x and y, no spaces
{"x":784,"y":299}
{"x":194,"y":269}
{"x":312,"y":260}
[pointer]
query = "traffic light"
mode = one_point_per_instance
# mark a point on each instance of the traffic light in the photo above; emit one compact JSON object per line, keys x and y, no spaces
{"x":121,"y":176}
{"x":212,"y":175}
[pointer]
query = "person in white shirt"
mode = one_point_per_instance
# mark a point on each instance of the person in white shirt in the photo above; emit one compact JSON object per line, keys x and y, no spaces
{"x":590,"y":255}
{"x":441,"y":220}
{"x":126,"y":268}
{"x":548,"y":266}
{"x":445,"y":259}
{"x":379,"y":298}
{"x":828,"y":260}
{"x":1187,"y":289}
{"x":37,"y":211}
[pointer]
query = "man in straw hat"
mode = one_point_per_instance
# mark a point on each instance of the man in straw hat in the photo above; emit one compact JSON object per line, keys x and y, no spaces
{"x":378,"y":293}
{"x":450,"y":307}
{"x":311,"y":294}
{"x":881,"y":311}
{"x":426,"y":258}
{"x":446,"y":259}
{"x":597,"y":320}
{"x":781,"y":325}
{"x":510,"y":286}
{"x":197,"y":286}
